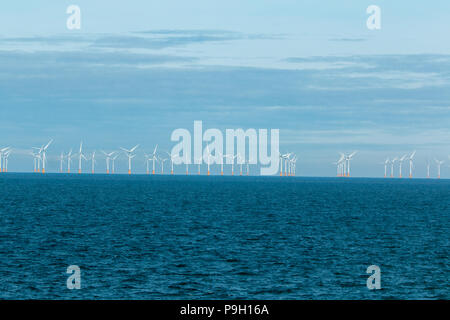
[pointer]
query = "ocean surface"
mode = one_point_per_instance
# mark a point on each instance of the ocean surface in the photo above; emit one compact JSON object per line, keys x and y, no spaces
{"x":199,"y":237}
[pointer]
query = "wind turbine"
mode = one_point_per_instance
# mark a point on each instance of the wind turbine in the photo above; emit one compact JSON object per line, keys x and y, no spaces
{"x":222,"y":156}
{"x":208,"y":157}
{"x":400,"y":164}
{"x":93,"y":162}
{"x":285,"y":157}
{"x":240,"y":161}
{"x":340,"y":165}
{"x":386,"y":162}
{"x":44,"y":154}
{"x":439,"y":163}
{"x":348,"y":159}
{"x":428,"y":168}
{"x":171,"y":161}
{"x":147,"y":160}
{"x":5,"y":160}
{"x":35,"y":160}
{"x":154,"y":158}
{"x":2,"y":153}
{"x":281,"y":164}
{"x":61,"y":160}
{"x":232,"y":157}
{"x":292,"y":163}
{"x":392,"y":166}
{"x":248,"y":166}
{"x":200,"y":160}
{"x":162,"y":160}
{"x":411,"y":157}
{"x":81,"y":156}
{"x":113,"y":159}
{"x":130,"y":156}
{"x":69,"y":160}
{"x":108,"y":159}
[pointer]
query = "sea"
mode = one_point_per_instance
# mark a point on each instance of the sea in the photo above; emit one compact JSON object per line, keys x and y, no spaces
{"x":222,"y":237}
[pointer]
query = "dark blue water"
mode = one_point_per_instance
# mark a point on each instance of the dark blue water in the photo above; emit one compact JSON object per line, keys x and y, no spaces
{"x":176,"y":237}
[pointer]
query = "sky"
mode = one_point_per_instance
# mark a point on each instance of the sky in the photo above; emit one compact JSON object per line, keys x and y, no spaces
{"x":134,"y":73}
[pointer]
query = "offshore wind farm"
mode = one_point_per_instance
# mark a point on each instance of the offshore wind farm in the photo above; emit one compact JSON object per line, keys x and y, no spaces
{"x":287,"y":162}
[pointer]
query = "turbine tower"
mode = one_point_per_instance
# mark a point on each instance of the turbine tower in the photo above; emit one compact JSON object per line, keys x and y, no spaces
{"x":411,"y":157}
{"x":44,"y":154}
{"x":171,"y":162}
{"x":154,"y":158}
{"x":400,"y":164}
{"x":2,"y":153}
{"x":349,"y":158}
{"x":93,"y":162}
{"x":130,"y":155}
{"x":108,"y":160}
{"x":69,"y":160}
{"x":240,"y":161}
{"x":386,"y":162}
{"x":81,"y":156}
{"x":439,"y":163}
{"x":392,"y":166}
{"x":200,"y":160}
{"x":113,"y":159}
{"x":61,"y":160}
{"x":5,"y":160}
{"x":208,"y":157}
{"x":162,"y":160}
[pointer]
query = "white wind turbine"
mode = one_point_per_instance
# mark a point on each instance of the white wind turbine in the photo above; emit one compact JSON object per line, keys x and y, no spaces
{"x":162,"y":160}
{"x":93,"y":162}
{"x":38,"y":158}
{"x":5,"y":160}
{"x":411,"y":157}
{"x":199,"y":163}
{"x":130,"y":155}
{"x":222,"y":157}
{"x":340,"y":165}
{"x":281,"y":164}
{"x":69,"y":160}
{"x":35,"y":160}
{"x":240,"y":161}
{"x":208,"y":157}
{"x":108,"y":159}
{"x":292,"y":163}
{"x":2,"y":153}
{"x":171,"y":158}
{"x":348,"y":159}
{"x":248,"y":166}
{"x":386,"y":162}
{"x":154,"y":158}
{"x":113,"y":159}
{"x":285,"y":157}
{"x":147,"y":160}
{"x":43,"y":151}
{"x":428,"y":168}
{"x":232,"y":157}
{"x":400,"y":165}
{"x":392,"y":166}
{"x":61,"y":160}
{"x":81,"y":156}
{"x":439,"y":163}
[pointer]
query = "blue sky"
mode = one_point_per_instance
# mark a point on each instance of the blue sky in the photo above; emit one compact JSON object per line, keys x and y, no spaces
{"x":136,"y":72}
